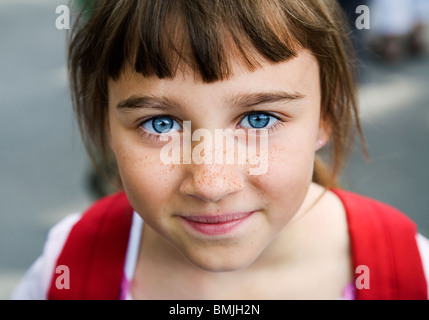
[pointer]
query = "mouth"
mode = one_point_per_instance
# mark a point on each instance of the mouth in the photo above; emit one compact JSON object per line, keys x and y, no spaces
{"x":218,"y":224}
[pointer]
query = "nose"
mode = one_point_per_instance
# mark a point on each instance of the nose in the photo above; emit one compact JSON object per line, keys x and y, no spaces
{"x":211,"y":182}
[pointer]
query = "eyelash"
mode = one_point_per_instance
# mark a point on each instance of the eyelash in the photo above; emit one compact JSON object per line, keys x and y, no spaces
{"x":154,"y":137}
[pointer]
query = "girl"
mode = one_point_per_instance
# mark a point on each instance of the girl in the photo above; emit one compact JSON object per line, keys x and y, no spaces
{"x":145,"y":75}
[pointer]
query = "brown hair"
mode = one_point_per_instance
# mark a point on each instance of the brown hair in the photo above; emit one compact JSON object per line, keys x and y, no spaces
{"x":156,"y":37}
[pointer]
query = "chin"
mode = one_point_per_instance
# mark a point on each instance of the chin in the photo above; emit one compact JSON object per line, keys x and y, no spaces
{"x":222,"y":263}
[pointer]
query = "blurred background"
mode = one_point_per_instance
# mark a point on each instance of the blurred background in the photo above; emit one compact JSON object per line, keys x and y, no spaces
{"x":45,"y":173}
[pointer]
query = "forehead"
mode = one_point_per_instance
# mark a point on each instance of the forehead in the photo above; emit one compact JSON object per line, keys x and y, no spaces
{"x":297,"y":75}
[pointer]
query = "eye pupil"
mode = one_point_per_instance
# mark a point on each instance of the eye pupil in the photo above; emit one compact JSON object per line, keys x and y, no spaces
{"x":162,"y":124}
{"x":259,"y":120}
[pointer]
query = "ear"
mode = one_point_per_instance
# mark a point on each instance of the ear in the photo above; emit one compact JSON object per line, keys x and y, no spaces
{"x":323,"y":134}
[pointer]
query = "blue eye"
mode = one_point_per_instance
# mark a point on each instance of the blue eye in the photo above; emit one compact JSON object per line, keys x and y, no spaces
{"x":162,"y":124}
{"x":258,"y":120}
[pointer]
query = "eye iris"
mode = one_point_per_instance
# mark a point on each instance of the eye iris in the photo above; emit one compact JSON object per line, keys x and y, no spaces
{"x":162,"y":124}
{"x":259,"y":120}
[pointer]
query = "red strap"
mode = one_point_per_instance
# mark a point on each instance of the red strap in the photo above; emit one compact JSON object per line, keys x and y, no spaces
{"x":95,"y":251}
{"x":384,"y":240}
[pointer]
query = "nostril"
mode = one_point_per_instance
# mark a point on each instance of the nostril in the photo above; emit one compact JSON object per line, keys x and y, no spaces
{"x":211,"y":183}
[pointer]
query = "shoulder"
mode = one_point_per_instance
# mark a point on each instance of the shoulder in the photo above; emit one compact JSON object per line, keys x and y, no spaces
{"x":103,"y":216}
{"x":370,"y":220}
{"x":352,"y":200}
{"x":363,"y":210}
{"x":423,"y":246}
{"x":387,"y":241}
{"x":96,"y":221}
{"x":36,"y":281}
{"x":34,"y":284}
{"x":95,"y":250}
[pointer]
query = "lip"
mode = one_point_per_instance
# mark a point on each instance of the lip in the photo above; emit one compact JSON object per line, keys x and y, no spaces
{"x":214,"y":225}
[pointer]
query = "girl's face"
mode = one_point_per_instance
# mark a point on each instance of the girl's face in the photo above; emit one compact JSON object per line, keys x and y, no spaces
{"x":217,"y":215}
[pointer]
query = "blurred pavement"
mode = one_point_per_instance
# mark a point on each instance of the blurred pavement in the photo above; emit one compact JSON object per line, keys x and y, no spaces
{"x":42,"y":161}
{"x":394,"y":103}
{"x":43,"y":164}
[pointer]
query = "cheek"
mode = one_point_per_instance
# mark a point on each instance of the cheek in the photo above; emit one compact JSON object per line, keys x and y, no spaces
{"x":148,"y":182}
{"x":285,"y":186}
{"x":289,"y":169}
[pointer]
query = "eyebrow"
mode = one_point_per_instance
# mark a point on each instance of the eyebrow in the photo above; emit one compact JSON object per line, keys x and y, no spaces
{"x":141,"y":102}
{"x":241,"y":100}
{"x":262,"y":98}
